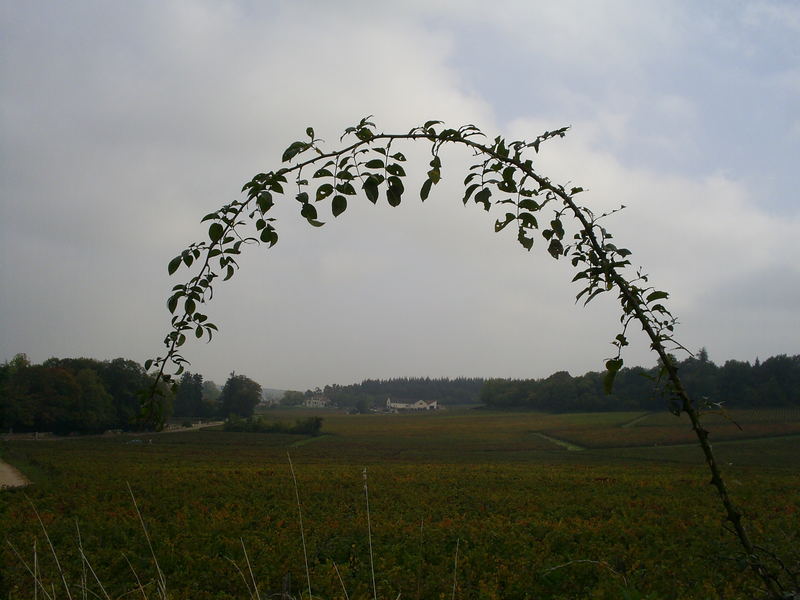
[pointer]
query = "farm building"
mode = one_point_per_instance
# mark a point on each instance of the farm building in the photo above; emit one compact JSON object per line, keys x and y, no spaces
{"x":418,"y":405}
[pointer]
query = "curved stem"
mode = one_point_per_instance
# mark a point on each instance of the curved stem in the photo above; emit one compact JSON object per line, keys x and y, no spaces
{"x":631,"y":296}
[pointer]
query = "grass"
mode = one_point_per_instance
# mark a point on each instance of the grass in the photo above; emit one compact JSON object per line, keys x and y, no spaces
{"x":522,"y":516}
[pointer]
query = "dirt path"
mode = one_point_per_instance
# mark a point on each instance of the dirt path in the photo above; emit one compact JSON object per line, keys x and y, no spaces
{"x":563,"y":443}
{"x":10,"y":477}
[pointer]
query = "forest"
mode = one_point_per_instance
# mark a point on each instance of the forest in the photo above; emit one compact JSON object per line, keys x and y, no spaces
{"x":737,"y":384}
{"x":373,"y":392}
{"x":775,"y":382}
{"x":66,"y":395}
{"x":84,"y":395}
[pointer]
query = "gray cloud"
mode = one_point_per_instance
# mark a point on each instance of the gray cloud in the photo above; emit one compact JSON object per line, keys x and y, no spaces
{"x":123,"y":124}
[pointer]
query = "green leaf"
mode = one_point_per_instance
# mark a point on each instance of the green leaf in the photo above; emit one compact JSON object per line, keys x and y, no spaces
{"x":500,"y":225}
{"x":293,"y":150}
{"x":364,"y":134}
{"x":339,"y":205}
{"x":215,"y":232}
{"x":310,"y":132}
{"x":393,"y":195}
{"x":265,"y":201}
{"x":323,"y":172}
{"x":469,"y":191}
{"x":323,"y":191}
{"x":375,"y":163}
{"x":370,"y":188}
{"x":189,"y":306}
{"x":148,"y":363}
{"x":483,"y":196}
{"x":612,"y":368}
{"x":346,"y":188}
{"x":656,"y":296}
{"x":174,"y":264}
{"x":269,"y":235}
{"x":425,"y":190}
{"x":308,"y":212}
{"x":523,"y":239}
{"x":527,"y":220}
{"x":555,"y":248}
{"x":172,"y":303}
{"x":395,"y":169}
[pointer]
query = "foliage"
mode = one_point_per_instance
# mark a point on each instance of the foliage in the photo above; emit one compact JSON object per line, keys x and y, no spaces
{"x":240,"y":395}
{"x":774,"y":382}
{"x":195,"y":397}
{"x":72,"y":395}
{"x":292,"y":398}
{"x":446,"y":391}
{"x":308,"y":426}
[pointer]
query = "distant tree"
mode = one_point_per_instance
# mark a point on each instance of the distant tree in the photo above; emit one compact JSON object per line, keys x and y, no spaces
{"x":240,"y":396}
{"x":292,"y":398}
{"x":125,"y":379}
{"x":189,"y":396}
{"x":211,"y":394}
{"x":211,"y":391}
{"x":363,"y":406}
{"x":16,"y":406}
{"x":96,"y":411}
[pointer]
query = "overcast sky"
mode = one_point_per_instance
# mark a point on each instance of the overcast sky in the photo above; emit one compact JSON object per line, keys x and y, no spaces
{"x":123,"y":123}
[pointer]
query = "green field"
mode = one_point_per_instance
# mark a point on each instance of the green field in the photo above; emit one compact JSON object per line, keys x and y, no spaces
{"x":625,"y":512}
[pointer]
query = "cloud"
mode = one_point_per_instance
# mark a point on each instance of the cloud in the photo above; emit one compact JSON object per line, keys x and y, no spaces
{"x":122,"y":125}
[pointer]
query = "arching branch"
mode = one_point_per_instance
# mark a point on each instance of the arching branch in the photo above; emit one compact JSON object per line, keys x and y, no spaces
{"x":503,"y":179}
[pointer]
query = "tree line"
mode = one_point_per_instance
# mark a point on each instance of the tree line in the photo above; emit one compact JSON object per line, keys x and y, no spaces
{"x":85,"y":395}
{"x":66,"y":395}
{"x":737,"y":384}
{"x":460,"y":390}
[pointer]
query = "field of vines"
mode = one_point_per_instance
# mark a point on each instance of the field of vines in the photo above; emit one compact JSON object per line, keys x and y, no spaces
{"x":462,"y":504}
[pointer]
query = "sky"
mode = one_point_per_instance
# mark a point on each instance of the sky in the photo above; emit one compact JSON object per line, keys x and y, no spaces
{"x":123,"y":123}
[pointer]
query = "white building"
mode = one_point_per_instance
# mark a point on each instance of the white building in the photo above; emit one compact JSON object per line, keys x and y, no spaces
{"x":418,"y":405}
{"x":317,"y":401}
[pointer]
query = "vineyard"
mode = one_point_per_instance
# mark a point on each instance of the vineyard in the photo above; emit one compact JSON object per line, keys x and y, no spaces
{"x":468,"y":504}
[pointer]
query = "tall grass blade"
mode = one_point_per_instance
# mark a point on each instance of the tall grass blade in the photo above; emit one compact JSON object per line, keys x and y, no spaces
{"x":34,"y":572}
{"x":344,"y":589}
{"x":302,"y":531}
{"x":136,"y":575}
{"x":52,"y":550}
{"x":85,"y":563}
{"x":241,"y":574}
{"x":419,"y":558}
{"x":455,"y":569}
{"x":84,"y":578}
{"x":256,"y":594}
{"x":162,"y":582}
{"x":369,"y":536}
